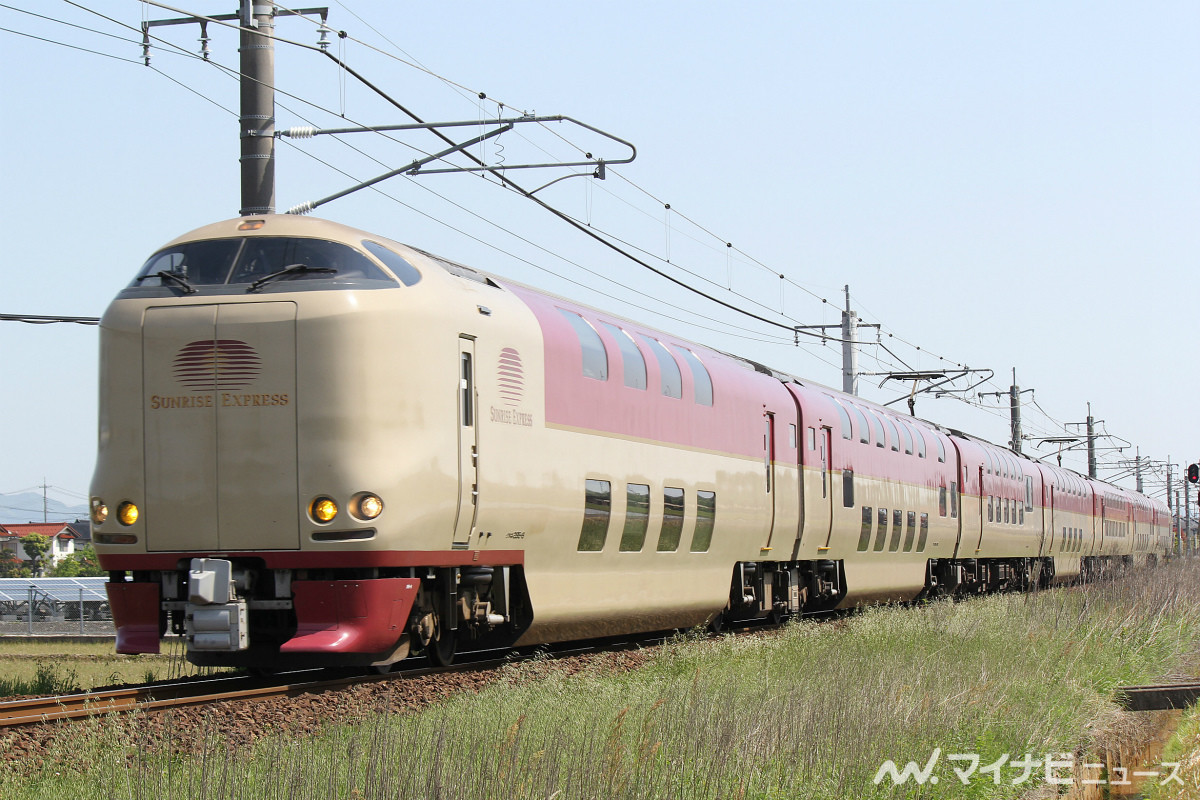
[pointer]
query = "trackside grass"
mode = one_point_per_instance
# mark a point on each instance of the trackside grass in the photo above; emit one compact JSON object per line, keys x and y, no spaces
{"x":812,"y":712}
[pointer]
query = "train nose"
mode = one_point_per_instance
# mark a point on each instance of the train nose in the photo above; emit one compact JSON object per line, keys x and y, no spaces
{"x":220,"y":426}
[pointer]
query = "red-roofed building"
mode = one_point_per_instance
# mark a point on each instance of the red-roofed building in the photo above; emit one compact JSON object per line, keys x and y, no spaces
{"x":62,"y":539}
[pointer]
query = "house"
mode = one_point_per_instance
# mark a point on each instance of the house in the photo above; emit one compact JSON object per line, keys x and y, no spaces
{"x":62,"y":538}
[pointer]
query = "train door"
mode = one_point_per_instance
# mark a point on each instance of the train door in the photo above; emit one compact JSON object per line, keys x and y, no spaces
{"x":769,"y":467}
{"x":468,"y":444}
{"x":1053,"y":530}
{"x":982,"y":520}
{"x":826,"y":445}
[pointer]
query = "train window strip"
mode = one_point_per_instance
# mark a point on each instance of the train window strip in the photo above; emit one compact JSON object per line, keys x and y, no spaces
{"x":894,"y":439}
{"x":706,"y":517}
{"x":672,"y":523}
{"x":847,"y":429}
{"x":877,"y":428}
{"x":669,"y":375}
{"x":637,"y":517}
{"x":596,"y":514}
{"x":633,"y":365}
{"x":594,"y":356}
{"x":864,"y":534}
{"x":702,"y":387}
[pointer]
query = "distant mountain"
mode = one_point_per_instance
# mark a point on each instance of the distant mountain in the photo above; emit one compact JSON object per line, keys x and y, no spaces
{"x":27,"y":507}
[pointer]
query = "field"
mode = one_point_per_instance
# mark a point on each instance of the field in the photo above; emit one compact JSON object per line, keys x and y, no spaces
{"x":977,"y":694}
{"x":45,"y":668}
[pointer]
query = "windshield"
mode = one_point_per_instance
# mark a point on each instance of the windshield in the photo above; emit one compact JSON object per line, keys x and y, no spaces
{"x":247,"y":260}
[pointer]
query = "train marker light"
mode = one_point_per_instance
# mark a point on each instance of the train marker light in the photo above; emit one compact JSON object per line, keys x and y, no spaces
{"x":99,"y":511}
{"x":323,"y":509}
{"x":127,"y":513}
{"x":1193,"y":473}
{"x":252,"y":224}
{"x":366,"y":506}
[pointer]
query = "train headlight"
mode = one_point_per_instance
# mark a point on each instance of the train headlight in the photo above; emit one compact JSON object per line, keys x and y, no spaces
{"x":366,"y":506}
{"x":127,"y":513}
{"x":99,"y":511}
{"x":323,"y":509}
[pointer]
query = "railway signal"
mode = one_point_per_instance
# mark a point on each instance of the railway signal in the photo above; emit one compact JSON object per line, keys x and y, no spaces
{"x":1193,"y":473}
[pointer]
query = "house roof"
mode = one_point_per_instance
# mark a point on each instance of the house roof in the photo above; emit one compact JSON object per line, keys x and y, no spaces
{"x":51,"y":529}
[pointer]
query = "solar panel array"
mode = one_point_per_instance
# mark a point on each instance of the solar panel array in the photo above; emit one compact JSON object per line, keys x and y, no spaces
{"x":61,"y":590}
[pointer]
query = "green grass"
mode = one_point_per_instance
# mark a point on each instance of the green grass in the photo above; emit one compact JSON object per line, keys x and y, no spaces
{"x":812,"y":712}
{"x":46,"y":668}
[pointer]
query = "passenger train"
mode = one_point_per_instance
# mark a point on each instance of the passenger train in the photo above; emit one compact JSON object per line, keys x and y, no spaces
{"x":319,"y":446}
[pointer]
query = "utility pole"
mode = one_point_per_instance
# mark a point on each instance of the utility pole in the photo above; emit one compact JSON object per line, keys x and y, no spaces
{"x":849,"y":329}
{"x":257,"y":121}
{"x":1137,"y":470}
{"x":1091,"y":439}
{"x":1014,"y":411}
{"x":849,"y":348}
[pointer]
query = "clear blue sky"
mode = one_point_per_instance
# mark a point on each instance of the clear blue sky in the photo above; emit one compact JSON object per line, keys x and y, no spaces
{"x":1003,"y":184}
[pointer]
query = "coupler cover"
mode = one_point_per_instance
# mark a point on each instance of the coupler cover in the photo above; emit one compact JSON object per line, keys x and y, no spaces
{"x":215,"y":618}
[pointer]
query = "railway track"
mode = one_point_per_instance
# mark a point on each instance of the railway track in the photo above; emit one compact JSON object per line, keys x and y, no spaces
{"x":244,"y":688}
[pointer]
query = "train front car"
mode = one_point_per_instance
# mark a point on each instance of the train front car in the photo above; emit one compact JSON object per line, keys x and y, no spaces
{"x":276,"y":479}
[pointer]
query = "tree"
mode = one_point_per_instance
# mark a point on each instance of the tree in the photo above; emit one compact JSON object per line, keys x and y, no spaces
{"x":11,"y":566}
{"x":36,"y":546}
{"x":80,"y":564}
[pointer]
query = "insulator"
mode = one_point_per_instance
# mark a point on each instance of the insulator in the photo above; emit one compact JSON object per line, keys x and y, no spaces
{"x":323,"y":39}
{"x":205,"y":52}
{"x":302,"y":132}
{"x":301,"y":209}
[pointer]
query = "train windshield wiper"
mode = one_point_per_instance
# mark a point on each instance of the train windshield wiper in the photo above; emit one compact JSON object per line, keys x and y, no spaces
{"x":172,"y":276}
{"x":294,"y":269}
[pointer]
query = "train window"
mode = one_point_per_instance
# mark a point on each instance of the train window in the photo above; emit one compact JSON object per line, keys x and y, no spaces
{"x":812,"y":438}
{"x":910,"y":531}
{"x":941,"y":501}
{"x":791,"y":435}
{"x":847,"y":433}
{"x":596,"y":508}
{"x":701,"y":382}
{"x":1004,"y":507}
{"x":595,"y":357}
{"x":897,"y":530}
{"x":924,"y":533}
{"x":264,"y":256}
{"x":198,"y":263}
{"x":672,"y":524}
{"x":908,"y":444}
{"x":848,"y":488}
{"x":877,"y":427}
{"x":672,"y":380}
{"x":404,"y":271}
{"x":881,"y":530}
{"x":632,"y":363}
{"x":953,"y":499}
{"x":941,"y":449}
{"x":1029,"y":493}
{"x":895,"y":438}
{"x":864,"y":534}
{"x":990,"y":508}
{"x":706,"y":514}
{"x":920,"y":437}
{"x":637,"y":517}
{"x":864,"y":430}
{"x":1021,"y":513}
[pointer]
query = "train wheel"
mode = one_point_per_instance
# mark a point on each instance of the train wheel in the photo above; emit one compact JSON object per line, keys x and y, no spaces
{"x":441,"y":649}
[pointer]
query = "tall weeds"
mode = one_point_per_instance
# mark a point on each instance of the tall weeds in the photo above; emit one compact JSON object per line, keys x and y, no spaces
{"x":812,"y":712}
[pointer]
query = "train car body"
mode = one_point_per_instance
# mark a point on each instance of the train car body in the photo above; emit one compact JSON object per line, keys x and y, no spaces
{"x":321,"y":446}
